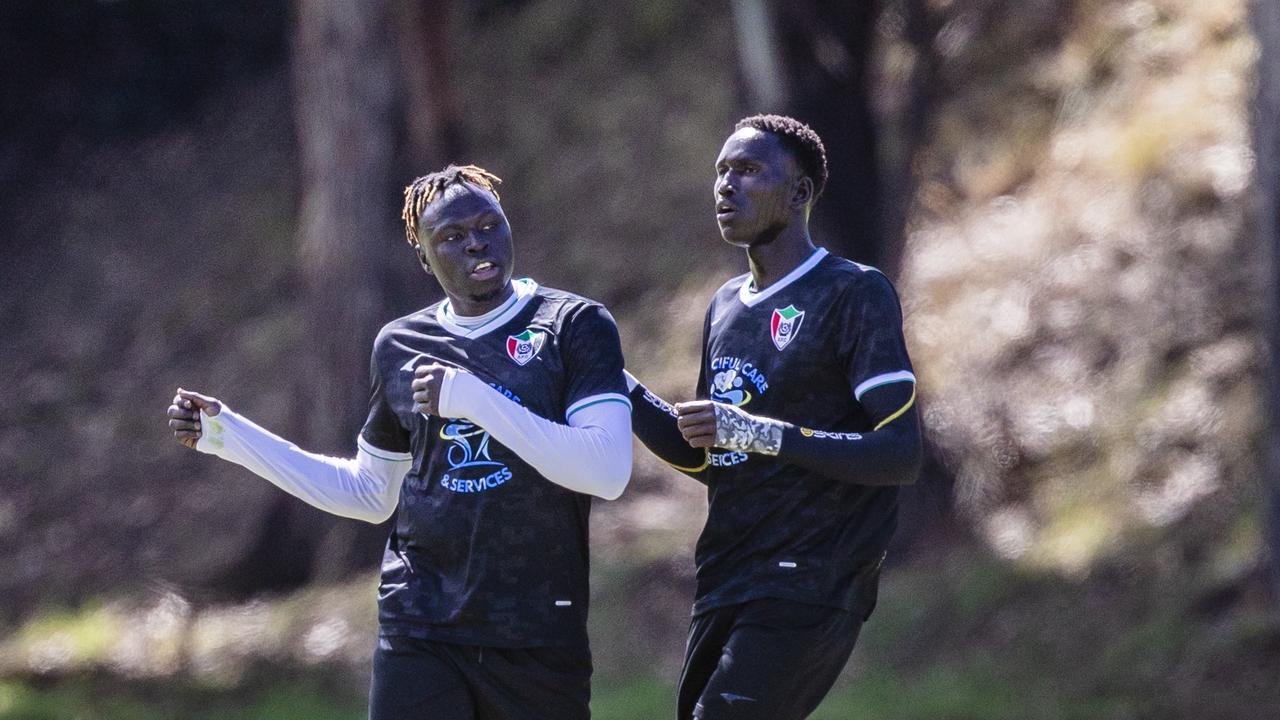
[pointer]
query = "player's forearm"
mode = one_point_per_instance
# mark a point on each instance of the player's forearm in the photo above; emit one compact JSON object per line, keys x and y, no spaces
{"x":653,"y":420}
{"x":890,"y":456}
{"x":366,"y":487}
{"x":592,"y":454}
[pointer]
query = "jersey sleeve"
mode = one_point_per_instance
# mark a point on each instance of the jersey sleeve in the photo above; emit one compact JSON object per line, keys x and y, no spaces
{"x":701,"y":391}
{"x":873,"y":350}
{"x":880,"y":375}
{"x":593,"y":360}
{"x":382,"y":428}
{"x":653,"y":420}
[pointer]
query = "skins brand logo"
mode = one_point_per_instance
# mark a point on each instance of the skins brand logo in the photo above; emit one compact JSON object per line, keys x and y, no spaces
{"x":785,"y":324}
{"x":809,"y":432}
{"x":524,"y":347}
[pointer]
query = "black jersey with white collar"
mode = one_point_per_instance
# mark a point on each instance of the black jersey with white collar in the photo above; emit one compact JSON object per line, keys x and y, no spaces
{"x":486,"y":551}
{"x":804,"y":350}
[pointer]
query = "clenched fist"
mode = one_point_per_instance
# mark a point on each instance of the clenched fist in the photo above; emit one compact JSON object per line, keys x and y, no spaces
{"x":184,"y":415}
{"x":427,"y":382}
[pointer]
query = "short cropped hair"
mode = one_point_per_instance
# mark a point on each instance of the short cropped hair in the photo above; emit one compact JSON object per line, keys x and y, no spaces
{"x":800,"y":139}
{"x":419,"y":194}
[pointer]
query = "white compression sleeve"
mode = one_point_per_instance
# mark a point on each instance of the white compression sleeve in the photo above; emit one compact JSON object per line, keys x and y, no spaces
{"x":365,"y":488}
{"x":592,"y":454}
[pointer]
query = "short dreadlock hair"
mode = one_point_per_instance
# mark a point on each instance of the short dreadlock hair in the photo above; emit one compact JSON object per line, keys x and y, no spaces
{"x":800,"y":139}
{"x":419,"y":194}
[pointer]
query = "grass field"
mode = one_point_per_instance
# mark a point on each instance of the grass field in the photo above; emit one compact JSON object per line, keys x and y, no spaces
{"x":965,"y":638}
{"x":975,"y":694}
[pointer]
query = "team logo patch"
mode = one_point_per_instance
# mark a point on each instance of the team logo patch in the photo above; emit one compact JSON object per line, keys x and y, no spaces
{"x":524,"y":347}
{"x":785,"y":324}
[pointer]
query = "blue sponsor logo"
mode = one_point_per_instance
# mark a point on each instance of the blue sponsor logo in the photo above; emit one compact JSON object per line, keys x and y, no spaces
{"x":727,"y":459}
{"x":733,"y":380}
{"x":471,"y":468}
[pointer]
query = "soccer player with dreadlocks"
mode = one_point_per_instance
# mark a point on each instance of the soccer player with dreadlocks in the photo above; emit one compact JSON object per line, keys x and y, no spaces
{"x":805,"y":425}
{"x":494,"y":416}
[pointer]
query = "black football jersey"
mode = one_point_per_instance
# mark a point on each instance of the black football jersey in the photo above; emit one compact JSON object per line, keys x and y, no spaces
{"x":803,"y":350}
{"x":484,"y":550}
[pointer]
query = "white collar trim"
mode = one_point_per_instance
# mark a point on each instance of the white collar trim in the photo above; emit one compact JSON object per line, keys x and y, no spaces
{"x":751,"y":298}
{"x":474,"y":327}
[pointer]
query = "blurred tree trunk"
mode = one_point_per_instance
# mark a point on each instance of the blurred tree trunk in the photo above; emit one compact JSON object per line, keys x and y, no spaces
{"x":433,"y":115}
{"x":758,"y":56}
{"x":826,"y":52}
{"x":431,"y":133}
{"x":373,"y":107}
{"x":813,"y":59}
{"x":1266,"y":23}
{"x":344,"y":66}
{"x":344,"y":71}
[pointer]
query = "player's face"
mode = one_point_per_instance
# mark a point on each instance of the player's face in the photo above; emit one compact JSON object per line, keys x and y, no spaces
{"x":755,"y":185}
{"x":466,"y":243}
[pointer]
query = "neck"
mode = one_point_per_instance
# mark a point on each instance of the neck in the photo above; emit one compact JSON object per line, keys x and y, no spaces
{"x":772,"y":260}
{"x":474,"y":306}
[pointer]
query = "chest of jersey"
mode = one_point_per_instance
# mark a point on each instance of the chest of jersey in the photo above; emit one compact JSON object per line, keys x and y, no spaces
{"x":452,"y":456}
{"x":778,"y":358}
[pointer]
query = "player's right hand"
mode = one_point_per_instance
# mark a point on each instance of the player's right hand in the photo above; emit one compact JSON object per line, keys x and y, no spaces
{"x":184,"y":415}
{"x":427,"y":382}
{"x":697,"y":422}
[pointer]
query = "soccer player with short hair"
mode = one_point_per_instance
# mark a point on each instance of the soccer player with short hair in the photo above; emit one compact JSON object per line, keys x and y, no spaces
{"x":494,"y":416}
{"x":805,"y":425}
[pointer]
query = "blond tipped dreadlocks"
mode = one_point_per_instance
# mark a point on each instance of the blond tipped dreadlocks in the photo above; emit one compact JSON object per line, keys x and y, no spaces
{"x":423,"y":190}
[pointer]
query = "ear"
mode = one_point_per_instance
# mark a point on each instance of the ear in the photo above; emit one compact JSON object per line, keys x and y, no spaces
{"x":422,"y":259}
{"x":803,"y":192}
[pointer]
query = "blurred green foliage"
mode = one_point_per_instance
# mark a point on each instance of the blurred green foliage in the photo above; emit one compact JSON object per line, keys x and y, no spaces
{"x":1079,"y":241}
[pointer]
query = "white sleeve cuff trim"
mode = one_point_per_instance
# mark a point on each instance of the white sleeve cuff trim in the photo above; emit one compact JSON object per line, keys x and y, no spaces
{"x":632,"y":380}
{"x":884,"y":379}
{"x":595,"y":399}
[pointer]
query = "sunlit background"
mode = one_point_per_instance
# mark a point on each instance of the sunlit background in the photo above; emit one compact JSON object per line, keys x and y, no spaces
{"x":1077,"y":200}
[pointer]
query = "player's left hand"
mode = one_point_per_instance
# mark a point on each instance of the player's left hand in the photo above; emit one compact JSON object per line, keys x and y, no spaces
{"x":427,"y":382}
{"x":697,"y":422}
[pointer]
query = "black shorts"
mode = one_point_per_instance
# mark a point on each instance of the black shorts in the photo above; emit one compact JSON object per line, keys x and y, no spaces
{"x":424,"y":680}
{"x":768,"y":659}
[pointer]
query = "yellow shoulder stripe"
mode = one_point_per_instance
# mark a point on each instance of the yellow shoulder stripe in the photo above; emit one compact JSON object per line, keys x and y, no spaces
{"x":901,"y":410}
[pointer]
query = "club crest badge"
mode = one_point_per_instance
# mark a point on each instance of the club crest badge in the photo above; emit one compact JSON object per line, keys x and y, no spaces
{"x":785,"y":324}
{"x":524,"y":347}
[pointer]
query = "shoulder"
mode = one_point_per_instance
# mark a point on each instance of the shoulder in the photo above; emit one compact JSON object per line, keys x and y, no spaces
{"x":413,"y":323}
{"x":856,"y":282}
{"x":572,"y":309}
{"x":564,"y":301}
{"x":556,"y":296}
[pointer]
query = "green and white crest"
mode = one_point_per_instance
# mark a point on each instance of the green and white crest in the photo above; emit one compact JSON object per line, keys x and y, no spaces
{"x":524,"y":347}
{"x":785,"y":324}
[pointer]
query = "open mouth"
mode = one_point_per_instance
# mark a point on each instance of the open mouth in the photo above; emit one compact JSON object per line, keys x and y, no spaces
{"x":484,"y":270}
{"x":724,"y":211}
